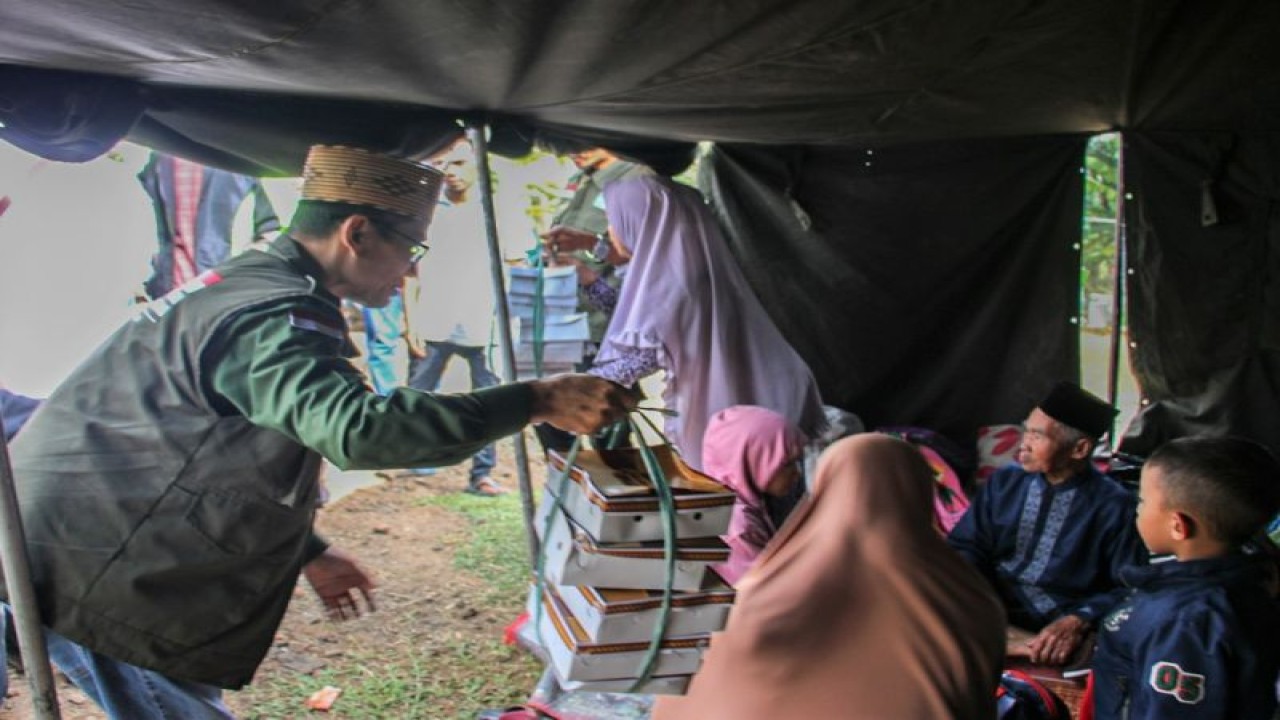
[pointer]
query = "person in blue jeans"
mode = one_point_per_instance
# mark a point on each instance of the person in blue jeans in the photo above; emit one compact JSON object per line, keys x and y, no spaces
{"x":119,"y":688}
{"x":450,"y":304}
{"x":384,"y":331}
{"x":425,"y":374}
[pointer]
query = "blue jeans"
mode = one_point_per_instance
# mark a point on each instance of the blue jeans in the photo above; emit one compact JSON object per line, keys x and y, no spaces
{"x":384,"y":331}
{"x":124,"y":691}
{"x":425,"y":375}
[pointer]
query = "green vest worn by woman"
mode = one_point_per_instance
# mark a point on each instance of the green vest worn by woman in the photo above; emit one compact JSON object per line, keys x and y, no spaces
{"x":164,"y":531}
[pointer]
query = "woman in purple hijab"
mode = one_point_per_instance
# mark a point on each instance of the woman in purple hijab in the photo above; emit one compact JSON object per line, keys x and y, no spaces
{"x":685,"y":307}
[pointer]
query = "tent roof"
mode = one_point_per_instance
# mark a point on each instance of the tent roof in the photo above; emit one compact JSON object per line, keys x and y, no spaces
{"x":394,"y":74}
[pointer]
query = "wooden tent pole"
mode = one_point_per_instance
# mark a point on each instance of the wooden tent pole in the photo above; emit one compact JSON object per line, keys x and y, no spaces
{"x":480,"y":145}
{"x":22,"y":595}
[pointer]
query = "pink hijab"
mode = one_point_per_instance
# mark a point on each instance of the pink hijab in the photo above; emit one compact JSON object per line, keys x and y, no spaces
{"x":684,"y":296}
{"x":856,"y":609}
{"x":744,"y":447}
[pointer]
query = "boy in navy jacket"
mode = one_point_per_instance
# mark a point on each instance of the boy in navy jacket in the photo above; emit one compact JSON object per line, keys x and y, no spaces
{"x":1199,"y":637}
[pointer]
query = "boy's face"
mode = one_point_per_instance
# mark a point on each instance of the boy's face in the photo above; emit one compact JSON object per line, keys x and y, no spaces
{"x":1154,"y":516}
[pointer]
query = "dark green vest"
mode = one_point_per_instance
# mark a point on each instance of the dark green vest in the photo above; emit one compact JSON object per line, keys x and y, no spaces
{"x":164,"y":531}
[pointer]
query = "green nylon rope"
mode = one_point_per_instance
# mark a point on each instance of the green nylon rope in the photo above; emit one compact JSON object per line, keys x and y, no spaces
{"x":666,"y":501}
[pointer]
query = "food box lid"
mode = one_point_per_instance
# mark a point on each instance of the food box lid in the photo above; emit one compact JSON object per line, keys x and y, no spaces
{"x":618,"y":601}
{"x":616,"y":481}
{"x":576,"y":639}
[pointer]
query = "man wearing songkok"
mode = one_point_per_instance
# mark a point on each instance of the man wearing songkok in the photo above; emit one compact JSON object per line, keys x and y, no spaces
{"x":168,"y":486}
{"x":1052,"y":532}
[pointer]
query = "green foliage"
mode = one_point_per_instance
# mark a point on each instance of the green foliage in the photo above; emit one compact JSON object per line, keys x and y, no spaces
{"x":1101,"y":167}
{"x":546,"y":198}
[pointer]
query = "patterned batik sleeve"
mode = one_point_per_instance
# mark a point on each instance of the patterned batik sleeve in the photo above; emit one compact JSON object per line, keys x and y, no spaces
{"x":628,"y":365}
{"x":601,"y":295}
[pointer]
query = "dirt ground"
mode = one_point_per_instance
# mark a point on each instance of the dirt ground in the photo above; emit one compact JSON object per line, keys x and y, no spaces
{"x":432,"y":649}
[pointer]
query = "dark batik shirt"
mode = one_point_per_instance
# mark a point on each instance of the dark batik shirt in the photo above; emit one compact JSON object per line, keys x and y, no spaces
{"x":1051,"y":550}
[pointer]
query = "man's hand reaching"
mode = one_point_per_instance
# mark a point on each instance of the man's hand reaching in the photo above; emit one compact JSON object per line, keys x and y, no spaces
{"x":334,"y":575}
{"x":579,"y":403}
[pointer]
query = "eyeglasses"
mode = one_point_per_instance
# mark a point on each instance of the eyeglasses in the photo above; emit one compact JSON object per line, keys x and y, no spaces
{"x":417,"y":248}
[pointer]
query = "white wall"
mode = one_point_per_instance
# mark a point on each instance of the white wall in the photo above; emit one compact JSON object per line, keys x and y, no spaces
{"x":77,"y":241}
{"x":74,"y":243}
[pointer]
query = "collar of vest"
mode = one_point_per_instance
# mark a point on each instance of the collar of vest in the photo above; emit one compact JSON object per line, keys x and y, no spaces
{"x":296,"y":254}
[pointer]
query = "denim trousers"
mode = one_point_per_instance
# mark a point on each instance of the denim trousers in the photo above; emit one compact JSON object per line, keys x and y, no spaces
{"x":123,"y":691}
{"x":425,"y":375}
{"x":384,"y":331}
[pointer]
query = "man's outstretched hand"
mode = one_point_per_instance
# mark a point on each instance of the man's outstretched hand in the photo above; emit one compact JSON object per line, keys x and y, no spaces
{"x":580,"y":403}
{"x":336,"y":577}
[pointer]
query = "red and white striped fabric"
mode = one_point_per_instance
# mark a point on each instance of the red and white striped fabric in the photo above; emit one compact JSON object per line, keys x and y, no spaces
{"x":188,"y":179}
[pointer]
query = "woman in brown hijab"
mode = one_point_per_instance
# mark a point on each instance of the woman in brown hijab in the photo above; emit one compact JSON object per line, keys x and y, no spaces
{"x":856,"y":609}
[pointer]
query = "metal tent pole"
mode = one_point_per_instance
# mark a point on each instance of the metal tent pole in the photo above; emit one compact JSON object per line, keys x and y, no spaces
{"x":1118,"y":293}
{"x":480,"y":145}
{"x":22,"y":595}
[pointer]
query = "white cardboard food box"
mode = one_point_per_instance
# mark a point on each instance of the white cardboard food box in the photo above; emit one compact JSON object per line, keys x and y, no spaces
{"x":619,"y":505}
{"x":573,"y":557}
{"x":554,"y":352}
{"x":556,"y":281}
{"x":666,"y":685}
{"x":576,"y":659}
{"x":555,"y":328}
{"x":622,"y":615}
{"x":522,"y":306}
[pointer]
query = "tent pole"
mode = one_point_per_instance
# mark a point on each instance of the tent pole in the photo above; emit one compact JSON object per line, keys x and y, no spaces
{"x":22,"y":596}
{"x":1117,"y":293}
{"x":480,"y":145}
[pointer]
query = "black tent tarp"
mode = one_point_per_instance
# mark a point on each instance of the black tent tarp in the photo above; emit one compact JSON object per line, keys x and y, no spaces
{"x":899,"y":270}
{"x":1205,"y":292}
{"x":1005,"y":88}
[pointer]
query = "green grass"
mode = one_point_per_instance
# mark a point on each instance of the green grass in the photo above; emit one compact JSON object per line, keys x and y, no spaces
{"x":453,"y":675}
{"x":481,"y":674}
{"x":497,"y":549}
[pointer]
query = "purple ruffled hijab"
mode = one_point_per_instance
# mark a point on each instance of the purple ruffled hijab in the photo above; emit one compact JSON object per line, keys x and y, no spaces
{"x":684,"y":295}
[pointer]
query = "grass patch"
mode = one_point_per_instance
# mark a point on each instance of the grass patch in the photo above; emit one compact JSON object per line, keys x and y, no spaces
{"x":428,"y":661}
{"x":497,"y":549}
{"x":411,"y":687}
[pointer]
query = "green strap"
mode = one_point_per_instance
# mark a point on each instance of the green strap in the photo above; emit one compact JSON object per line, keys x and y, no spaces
{"x":666,"y":503}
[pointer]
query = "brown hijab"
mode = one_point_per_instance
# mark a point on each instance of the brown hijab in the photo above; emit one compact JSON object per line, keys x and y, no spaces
{"x":856,"y":609}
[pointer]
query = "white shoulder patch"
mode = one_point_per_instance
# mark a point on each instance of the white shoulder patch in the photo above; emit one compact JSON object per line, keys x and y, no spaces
{"x":1169,"y":678}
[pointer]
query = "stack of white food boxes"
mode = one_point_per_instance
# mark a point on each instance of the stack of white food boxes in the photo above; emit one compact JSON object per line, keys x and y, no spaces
{"x":604,"y":571}
{"x":565,"y":331}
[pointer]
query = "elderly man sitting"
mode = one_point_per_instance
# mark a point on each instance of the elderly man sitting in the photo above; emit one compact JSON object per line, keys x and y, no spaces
{"x":1051,"y":532}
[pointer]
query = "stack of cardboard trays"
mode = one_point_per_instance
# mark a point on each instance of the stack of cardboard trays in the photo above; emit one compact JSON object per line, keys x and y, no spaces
{"x":604,"y":571}
{"x":565,"y":332}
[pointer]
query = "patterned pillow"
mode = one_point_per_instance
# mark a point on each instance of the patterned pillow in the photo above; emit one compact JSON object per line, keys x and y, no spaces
{"x":997,"y":447}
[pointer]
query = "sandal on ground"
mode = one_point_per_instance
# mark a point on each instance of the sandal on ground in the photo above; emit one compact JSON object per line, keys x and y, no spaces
{"x":487,"y":487}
